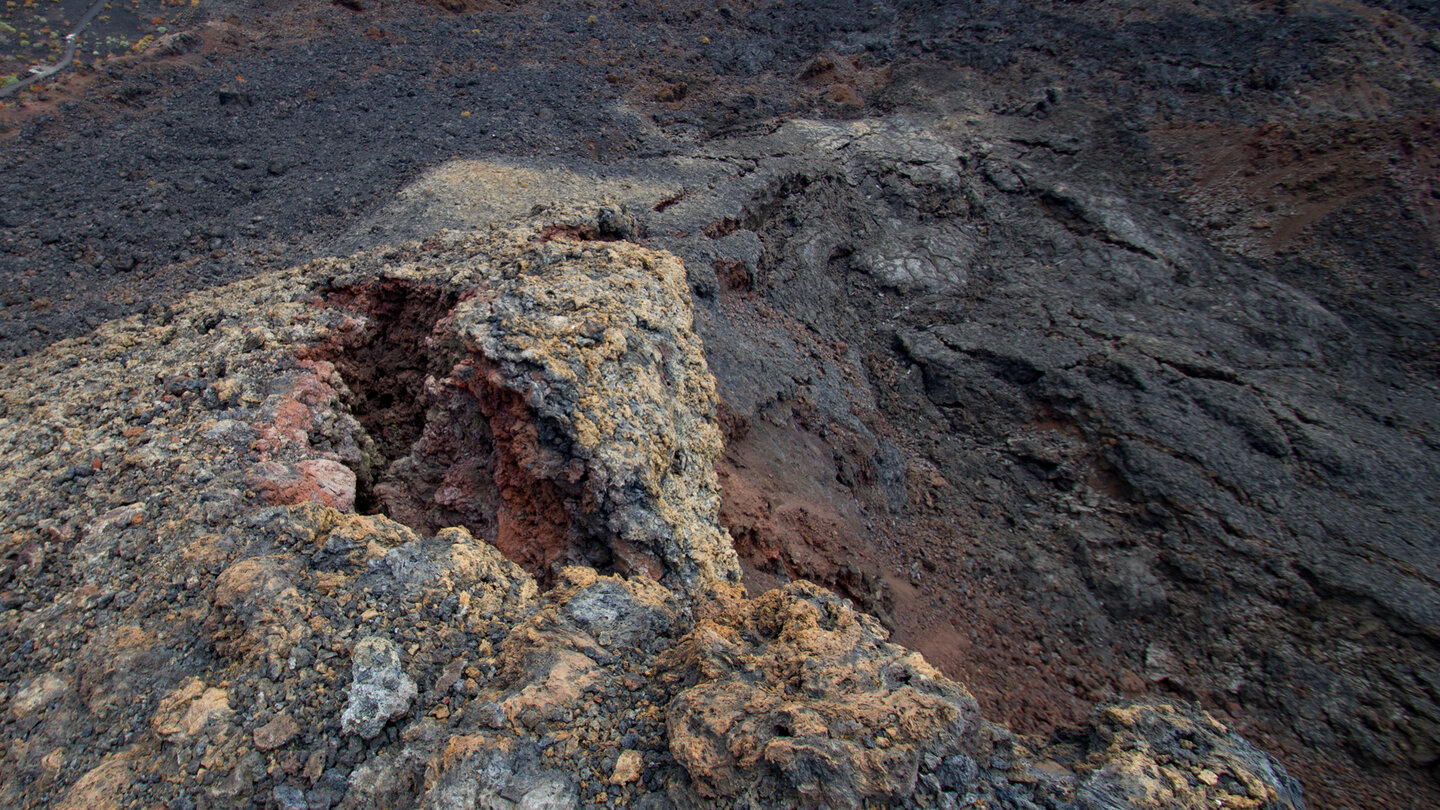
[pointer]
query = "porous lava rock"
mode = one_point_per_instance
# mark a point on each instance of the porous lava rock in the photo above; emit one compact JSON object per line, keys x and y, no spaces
{"x":574,"y":364}
{"x":795,"y":698}
{"x":380,"y":691}
{"x":192,"y":628}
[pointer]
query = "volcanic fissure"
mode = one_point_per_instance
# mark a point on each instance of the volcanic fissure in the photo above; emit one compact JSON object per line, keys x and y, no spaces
{"x":445,"y":444}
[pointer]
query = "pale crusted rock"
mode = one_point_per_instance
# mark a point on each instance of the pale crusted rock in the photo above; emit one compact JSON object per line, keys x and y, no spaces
{"x":621,"y":613}
{"x":101,"y":787}
{"x":380,"y":691}
{"x":189,"y":710}
{"x":501,"y":776}
{"x":388,"y":779}
{"x":454,"y":562}
{"x":797,"y":697}
{"x":563,"y":677}
{"x":98,"y":539}
{"x":352,"y":541}
{"x":319,"y":480}
{"x":37,"y":695}
{"x":628,"y":767}
{"x":554,"y":658}
{"x":257,"y":607}
{"x":1152,"y":754}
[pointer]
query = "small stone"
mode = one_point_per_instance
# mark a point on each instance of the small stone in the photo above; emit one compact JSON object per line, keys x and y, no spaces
{"x":628,"y":767}
{"x":276,"y":733}
{"x":380,"y":690}
{"x":492,"y":716}
{"x":1208,"y":777}
{"x":290,"y":798}
{"x":314,"y":765}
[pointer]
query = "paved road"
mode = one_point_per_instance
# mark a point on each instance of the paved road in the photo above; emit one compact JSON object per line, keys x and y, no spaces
{"x":41,"y":72}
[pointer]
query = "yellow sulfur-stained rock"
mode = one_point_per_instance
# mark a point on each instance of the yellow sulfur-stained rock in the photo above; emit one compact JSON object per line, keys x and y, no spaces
{"x":797,"y":696}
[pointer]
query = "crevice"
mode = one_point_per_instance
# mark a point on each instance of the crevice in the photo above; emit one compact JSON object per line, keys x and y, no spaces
{"x":385,"y":368}
{"x":446,"y":444}
{"x":669,"y":201}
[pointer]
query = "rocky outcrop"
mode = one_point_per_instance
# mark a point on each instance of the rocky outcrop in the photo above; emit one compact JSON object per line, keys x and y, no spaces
{"x":1006,"y":386}
{"x":195,"y":618}
{"x":1091,"y":347}
{"x":586,"y":387}
{"x":1162,"y":753}
{"x":794,"y":698}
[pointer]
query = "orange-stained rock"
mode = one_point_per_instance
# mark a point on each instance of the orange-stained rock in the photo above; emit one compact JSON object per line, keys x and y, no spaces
{"x":562,"y":413}
{"x":188,"y":711}
{"x":796,"y":697}
{"x":102,"y":787}
{"x":276,"y":733}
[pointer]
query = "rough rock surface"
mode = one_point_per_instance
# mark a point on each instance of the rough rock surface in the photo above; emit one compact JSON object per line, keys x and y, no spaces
{"x":205,"y":641}
{"x":586,"y":387}
{"x":1088,"y":346}
{"x":795,"y":698}
{"x":380,"y":691}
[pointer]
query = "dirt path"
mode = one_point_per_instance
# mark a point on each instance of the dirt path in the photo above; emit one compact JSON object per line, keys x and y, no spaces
{"x":42,"y":72}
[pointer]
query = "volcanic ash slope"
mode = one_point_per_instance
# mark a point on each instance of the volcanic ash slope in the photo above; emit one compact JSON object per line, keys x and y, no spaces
{"x":541,"y":610}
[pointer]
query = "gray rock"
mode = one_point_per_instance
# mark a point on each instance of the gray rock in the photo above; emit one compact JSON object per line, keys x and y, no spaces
{"x":616,"y":222}
{"x":606,"y":610}
{"x":1151,"y":743}
{"x":380,"y":691}
{"x":290,"y":798}
{"x":503,"y":780}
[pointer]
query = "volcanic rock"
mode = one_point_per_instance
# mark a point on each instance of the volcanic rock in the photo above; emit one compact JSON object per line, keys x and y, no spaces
{"x":1089,"y":347}
{"x":380,"y":691}
{"x":276,"y":733}
{"x":561,"y":405}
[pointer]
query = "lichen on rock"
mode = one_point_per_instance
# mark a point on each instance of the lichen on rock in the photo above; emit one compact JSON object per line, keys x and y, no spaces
{"x":559,"y":623}
{"x":795,"y":698}
{"x":380,"y":691}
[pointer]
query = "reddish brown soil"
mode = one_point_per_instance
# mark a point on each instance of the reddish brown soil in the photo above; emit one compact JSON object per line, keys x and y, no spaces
{"x":1267,"y":188}
{"x":532,"y":525}
{"x":930,"y":572}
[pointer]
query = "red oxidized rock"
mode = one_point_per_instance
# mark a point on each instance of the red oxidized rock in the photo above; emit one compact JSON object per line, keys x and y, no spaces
{"x":319,"y":480}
